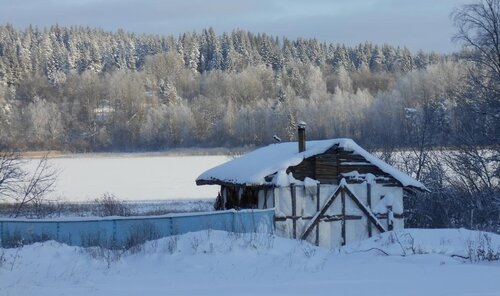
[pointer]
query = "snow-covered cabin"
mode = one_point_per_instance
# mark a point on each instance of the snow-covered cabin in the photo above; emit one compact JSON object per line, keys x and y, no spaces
{"x":328,"y":192}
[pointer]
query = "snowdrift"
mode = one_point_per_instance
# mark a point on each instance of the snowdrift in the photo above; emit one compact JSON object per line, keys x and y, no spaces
{"x":222,"y":263}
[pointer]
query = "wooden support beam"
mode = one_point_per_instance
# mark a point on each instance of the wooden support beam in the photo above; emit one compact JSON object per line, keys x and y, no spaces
{"x":240,"y":193}
{"x":284,"y":218}
{"x":317,"y":210}
{"x":342,"y":196}
{"x":390,"y":226}
{"x":274,"y":196}
{"x":365,"y":210}
{"x":265,"y":198}
{"x":333,"y":218}
{"x":391,"y":184}
{"x":384,"y":216}
{"x":319,"y":214}
{"x":324,"y":218}
{"x":369,"y":202}
{"x":223,"y":190}
{"x":294,"y":209}
{"x":313,"y":163}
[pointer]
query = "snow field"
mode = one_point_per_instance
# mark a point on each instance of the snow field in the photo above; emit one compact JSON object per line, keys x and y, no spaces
{"x":221,"y":263}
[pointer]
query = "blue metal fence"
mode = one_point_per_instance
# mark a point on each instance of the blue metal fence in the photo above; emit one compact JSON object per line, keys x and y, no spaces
{"x":128,"y":231}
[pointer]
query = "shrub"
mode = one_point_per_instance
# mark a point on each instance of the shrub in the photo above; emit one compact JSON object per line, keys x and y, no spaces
{"x":481,"y":249}
{"x":109,"y":205}
{"x":139,"y":234}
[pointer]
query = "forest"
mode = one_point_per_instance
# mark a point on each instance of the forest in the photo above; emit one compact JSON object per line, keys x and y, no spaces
{"x":435,"y":116}
{"x":83,"y":89}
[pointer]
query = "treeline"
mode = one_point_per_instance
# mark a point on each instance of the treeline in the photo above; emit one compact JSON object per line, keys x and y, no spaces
{"x":82,"y":89}
{"x":59,"y":51}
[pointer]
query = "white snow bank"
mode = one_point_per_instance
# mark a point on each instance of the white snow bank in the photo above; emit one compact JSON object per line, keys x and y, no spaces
{"x":449,"y":242}
{"x":220,"y":263}
{"x":368,"y":178}
{"x":282,"y":179}
{"x":311,"y":186}
{"x":382,"y":207}
{"x":252,"y":168}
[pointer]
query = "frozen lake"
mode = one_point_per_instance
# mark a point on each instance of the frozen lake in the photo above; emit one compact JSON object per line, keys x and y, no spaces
{"x":132,"y":177}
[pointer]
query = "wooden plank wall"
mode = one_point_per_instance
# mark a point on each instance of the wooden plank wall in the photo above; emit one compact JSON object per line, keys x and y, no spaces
{"x":328,"y":167}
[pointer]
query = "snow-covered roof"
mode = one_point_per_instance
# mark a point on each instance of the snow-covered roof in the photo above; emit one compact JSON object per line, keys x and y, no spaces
{"x":254,"y":167}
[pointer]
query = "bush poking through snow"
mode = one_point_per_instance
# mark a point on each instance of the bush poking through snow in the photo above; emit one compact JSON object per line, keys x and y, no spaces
{"x":457,"y":243}
{"x":139,"y":234}
{"x":109,"y":256}
{"x":308,"y":249}
{"x":406,"y":242}
{"x":207,"y":242}
{"x":172,"y":244}
{"x":195,"y":243}
{"x":2,"y":259}
{"x":13,"y":240}
{"x":481,"y":249}
{"x":95,"y":239}
{"x":109,"y":205}
{"x":16,"y":239}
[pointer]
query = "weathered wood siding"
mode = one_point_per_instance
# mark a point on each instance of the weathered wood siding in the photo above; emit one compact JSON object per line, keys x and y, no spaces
{"x":328,"y":167}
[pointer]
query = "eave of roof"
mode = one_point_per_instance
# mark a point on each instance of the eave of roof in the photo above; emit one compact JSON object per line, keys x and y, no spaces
{"x":252,"y":168}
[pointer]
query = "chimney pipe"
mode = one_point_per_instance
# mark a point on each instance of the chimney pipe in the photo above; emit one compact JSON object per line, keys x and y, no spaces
{"x":301,"y":126}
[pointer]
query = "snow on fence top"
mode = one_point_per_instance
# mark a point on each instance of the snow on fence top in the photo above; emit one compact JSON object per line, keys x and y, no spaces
{"x":254,"y":167}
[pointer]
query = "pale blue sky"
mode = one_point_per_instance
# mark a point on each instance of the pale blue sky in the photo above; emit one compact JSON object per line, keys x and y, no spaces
{"x":417,"y":24}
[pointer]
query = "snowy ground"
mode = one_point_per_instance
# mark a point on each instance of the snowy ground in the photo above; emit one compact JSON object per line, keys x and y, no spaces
{"x":220,"y":263}
{"x":132,"y":177}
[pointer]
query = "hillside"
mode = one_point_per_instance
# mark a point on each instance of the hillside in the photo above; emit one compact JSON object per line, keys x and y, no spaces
{"x":85,"y":89}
